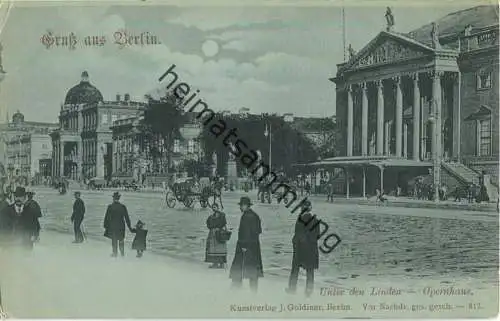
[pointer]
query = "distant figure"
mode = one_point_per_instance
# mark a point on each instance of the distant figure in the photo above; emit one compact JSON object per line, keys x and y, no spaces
{"x":331,"y":191}
{"x":305,"y":248}
{"x":389,"y":17}
{"x":380,"y":196}
{"x":35,"y":210}
{"x":247,"y":262}
{"x":114,"y":224}
{"x":139,"y":242}
{"x":77,"y":217}
{"x":216,"y":249}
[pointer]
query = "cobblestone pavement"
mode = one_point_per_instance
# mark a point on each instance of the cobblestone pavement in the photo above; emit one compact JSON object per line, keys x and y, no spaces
{"x":377,"y":242}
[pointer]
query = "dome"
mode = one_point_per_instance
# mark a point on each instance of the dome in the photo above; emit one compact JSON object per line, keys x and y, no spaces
{"x":18,"y":118}
{"x":83,"y":93}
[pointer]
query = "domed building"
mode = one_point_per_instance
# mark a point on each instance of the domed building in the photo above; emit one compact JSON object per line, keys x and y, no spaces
{"x":82,"y":145}
{"x":83,"y":93}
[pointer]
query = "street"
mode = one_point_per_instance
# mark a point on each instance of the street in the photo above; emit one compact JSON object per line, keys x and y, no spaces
{"x":377,"y":242}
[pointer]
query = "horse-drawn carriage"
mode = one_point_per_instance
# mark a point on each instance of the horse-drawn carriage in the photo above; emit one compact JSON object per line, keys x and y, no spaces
{"x":187,"y":191}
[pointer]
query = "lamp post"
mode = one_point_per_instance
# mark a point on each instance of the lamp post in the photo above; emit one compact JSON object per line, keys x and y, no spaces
{"x":268,"y":133}
{"x":434,"y":118}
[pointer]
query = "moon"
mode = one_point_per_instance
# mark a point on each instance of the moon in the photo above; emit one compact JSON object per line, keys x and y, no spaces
{"x":210,"y":48}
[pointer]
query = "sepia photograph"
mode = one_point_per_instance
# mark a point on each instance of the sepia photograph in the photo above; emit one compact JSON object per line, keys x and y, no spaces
{"x":269,"y":160}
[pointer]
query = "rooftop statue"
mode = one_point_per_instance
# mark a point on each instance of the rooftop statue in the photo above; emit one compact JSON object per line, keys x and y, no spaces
{"x":435,"y":36}
{"x":389,"y":17}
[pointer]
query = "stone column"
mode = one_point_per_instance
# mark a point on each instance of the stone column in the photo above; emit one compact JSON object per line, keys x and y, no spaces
{"x":380,"y":118}
{"x":79,"y":160}
{"x":416,"y":118}
{"x":100,"y":159}
{"x":350,"y":121}
{"x":399,"y":117}
{"x":436,"y":99}
{"x":364,"y":120}
{"x":405,"y":140}
{"x":387,"y":139}
{"x":61,"y":158}
{"x":457,"y":110}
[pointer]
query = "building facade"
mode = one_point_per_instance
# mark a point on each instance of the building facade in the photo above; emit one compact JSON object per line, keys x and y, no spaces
{"x":136,"y":157}
{"x":83,"y":142}
{"x":25,"y":144}
{"x":428,"y":99}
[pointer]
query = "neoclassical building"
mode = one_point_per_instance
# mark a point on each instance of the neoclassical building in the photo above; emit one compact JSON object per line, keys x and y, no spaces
{"x":422,"y":102}
{"x":82,"y":145}
{"x":26,"y":145}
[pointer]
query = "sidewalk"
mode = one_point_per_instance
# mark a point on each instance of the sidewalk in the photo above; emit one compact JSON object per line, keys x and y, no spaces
{"x":64,"y":280}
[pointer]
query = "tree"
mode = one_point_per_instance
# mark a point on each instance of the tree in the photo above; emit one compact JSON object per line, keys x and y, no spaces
{"x":163,"y":119}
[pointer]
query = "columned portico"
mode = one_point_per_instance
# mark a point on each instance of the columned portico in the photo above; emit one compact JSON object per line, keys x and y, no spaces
{"x":364,"y":120}
{"x":380,"y":118}
{"x":350,"y":121}
{"x":416,"y":117}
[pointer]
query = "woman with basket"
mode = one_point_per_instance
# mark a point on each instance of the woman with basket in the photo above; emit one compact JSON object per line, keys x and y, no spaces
{"x":218,"y":235}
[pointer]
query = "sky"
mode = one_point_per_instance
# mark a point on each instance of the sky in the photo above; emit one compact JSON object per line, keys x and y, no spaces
{"x":268,"y":59}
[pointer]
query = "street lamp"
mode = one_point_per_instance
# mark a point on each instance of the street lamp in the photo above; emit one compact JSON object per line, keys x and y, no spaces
{"x":434,"y":118}
{"x":268,"y":133}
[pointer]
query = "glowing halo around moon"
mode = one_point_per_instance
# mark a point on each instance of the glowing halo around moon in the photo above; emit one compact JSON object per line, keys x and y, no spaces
{"x":210,"y":48}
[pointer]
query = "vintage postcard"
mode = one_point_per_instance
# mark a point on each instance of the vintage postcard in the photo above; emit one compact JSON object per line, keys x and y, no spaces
{"x":274,"y":160}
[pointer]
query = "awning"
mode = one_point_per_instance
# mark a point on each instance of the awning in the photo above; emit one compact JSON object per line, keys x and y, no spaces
{"x":357,"y":161}
{"x":481,"y":112}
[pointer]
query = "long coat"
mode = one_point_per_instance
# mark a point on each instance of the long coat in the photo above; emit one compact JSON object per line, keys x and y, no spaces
{"x":20,"y":226}
{"x":114,"y":221}
{"x":215,"y":251}
{"x":248,"y":265}
{"x":35,"y":212}
{"x":305,"y":242}
{"x":78,"y":210}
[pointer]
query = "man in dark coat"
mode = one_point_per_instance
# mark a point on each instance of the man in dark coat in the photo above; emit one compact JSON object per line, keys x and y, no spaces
{"x":6,"y":220}
{"x":36,"y":212}
{"x":21,"y":222}
{"x":77,"y":217}
{"x":247,"y":262}
{"x":305,"y":248}
{"x":114,"y":224}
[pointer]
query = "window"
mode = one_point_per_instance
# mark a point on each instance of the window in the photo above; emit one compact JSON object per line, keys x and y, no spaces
{"x":44,"y":146}
{"x":104,"y":119}
{"x":485,"y":137}
{"x":483,"y":80}
{"x":113,"y":118}
{"x":177,"y":146}
{"x":191,"y":146}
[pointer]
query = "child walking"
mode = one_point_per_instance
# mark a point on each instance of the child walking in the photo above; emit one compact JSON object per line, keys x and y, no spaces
{"x":139,"y":243}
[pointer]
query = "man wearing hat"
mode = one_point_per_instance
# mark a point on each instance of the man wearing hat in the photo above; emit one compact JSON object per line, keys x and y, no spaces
{"x":77,"y":217}
{"x":247,"y":262}
{"x":305,"y":248}
{"x":114,"y":224}
{"x":21,"y":221}
{"x":6,"y":221}
{"x":35,"y":211}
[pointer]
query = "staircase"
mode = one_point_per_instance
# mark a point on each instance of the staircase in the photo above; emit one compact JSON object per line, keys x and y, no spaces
{"x":462,"y":173}
{"x":466,"y":175}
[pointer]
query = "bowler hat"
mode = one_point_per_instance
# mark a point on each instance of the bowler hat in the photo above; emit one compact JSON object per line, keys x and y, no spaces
{"x":116,"y":195}
{"x":20,"y":192}
{"x":245,"y":200}
{"x":78,"y":193}
{"x":139,"y":223}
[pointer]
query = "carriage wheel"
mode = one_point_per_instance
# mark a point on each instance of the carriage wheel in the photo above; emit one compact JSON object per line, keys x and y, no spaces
{"x":170,"y":199}
{"x":189,"y":201}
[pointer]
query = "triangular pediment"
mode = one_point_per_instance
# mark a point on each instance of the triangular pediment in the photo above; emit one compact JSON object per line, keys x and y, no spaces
{"x":388,"y":48}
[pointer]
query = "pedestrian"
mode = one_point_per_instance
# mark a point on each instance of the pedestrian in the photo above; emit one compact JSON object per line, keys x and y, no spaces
{"x":114,"y":224}
{"x":34,"y":207}
{"x":22,"y":221}
{"x":305,"y":249}
{"x":247,"y":262}
{"x":216,"y":246}
{"x":77,"y":217}
{"x":139,"y":242}
{"x":7,"y":219}
{"x":331,"y":190}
